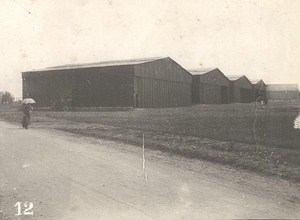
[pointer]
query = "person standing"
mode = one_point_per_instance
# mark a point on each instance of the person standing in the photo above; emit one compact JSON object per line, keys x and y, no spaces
{"x":27,"y":110}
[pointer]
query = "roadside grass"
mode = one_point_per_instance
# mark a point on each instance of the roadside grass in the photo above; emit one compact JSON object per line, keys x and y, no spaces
{"x":239,"y":135}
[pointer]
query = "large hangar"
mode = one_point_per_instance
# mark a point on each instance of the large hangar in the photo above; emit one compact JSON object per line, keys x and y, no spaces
{"x":282,"y":91}
{"x":145,"y":83}
{"x":241,"y":89}
{"x":209,"y":86}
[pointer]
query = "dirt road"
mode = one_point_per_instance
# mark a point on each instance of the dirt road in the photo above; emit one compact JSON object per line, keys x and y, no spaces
{"x":70,"y":177}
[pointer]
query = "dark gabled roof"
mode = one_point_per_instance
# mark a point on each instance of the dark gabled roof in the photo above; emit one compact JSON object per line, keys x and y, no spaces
{"x":205,"y":71}
{"x":236,"y":77}
{"x":282,"y":87}
{"x":102,"y":64}
{"x":201,"y":71}
{"x":257,"y":82}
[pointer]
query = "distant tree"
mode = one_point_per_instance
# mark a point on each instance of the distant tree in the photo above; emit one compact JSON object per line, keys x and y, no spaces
{"x":6,"y":97}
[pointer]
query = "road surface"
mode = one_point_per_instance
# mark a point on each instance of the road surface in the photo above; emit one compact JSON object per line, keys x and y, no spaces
{"x":69,"y":177}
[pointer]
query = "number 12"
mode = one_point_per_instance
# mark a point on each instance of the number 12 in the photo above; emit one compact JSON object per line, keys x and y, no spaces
{"x":26,"y":207}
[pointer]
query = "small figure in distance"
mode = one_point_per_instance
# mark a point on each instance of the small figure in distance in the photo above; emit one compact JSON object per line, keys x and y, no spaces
{"x":262,"y":102}
{"x":27,"y":110}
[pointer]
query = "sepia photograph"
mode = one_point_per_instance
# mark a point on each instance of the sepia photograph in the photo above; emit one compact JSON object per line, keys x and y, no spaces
{"x":160,"y":109}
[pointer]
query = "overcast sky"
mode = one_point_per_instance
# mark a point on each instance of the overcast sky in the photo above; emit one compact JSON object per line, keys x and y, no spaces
{"x":258,"y":38}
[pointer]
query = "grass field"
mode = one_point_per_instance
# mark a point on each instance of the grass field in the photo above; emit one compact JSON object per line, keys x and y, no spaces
{"x":240,"y":135}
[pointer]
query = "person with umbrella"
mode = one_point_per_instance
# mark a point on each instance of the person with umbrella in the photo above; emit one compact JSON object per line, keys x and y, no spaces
{"x":27,"y":110}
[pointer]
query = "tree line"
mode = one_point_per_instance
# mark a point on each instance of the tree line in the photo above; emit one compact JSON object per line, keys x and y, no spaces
{"x":6,"y":97}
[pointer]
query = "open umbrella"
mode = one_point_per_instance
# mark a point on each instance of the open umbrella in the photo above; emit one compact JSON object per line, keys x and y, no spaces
{"x":28,"y":101}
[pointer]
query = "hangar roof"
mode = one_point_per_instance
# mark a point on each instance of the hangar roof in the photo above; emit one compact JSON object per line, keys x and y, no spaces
{"x":201,"y":71}
{"x":102,"y":64}
{"x":234,"y":77}
{"x":254,"y":81}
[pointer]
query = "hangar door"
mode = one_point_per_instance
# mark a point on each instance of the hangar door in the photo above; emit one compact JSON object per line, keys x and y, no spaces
{"x":224,"y":94}
{"x":246,"y":95}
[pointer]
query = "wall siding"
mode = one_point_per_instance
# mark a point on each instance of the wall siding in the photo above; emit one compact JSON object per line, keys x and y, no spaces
{"x":46,"y":89}
{"x":241,"y":91}
{"x":282,"y":95}
{"x":210,"y":88}
{"x":211,"y":94}
{"x":154,"y":93}
{"x":162,"y":83}
{"x":214,"y":94}
{"x":105,"y":86}
{"x":196,"y":89}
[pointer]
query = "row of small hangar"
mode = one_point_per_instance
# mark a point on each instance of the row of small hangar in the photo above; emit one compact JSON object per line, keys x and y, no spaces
{"x":142,"y":83}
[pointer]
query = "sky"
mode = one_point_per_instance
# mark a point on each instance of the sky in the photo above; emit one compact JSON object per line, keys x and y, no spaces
{"x":256,"y":38}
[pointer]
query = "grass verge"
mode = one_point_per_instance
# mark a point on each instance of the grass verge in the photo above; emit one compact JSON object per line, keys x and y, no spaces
{"x":221,"y":134}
